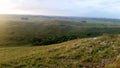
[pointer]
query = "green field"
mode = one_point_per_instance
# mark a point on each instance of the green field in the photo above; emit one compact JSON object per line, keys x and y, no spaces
{"x":58,"y":42}
{"x":14,"y":30}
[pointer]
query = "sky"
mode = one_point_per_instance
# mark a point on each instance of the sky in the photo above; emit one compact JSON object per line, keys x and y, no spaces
{"x":79,"y":8}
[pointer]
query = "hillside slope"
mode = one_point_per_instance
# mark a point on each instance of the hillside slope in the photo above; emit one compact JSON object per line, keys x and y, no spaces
{"x":80,"y":53}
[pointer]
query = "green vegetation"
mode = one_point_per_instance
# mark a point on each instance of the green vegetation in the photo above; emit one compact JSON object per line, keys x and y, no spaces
{"x":23,"y":41}
{"x":115,"y":64}
{"x":23,"y":30}
{"x":88,"y":52}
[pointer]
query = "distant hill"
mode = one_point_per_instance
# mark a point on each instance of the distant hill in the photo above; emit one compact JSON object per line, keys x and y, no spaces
{"x":63,"y":18}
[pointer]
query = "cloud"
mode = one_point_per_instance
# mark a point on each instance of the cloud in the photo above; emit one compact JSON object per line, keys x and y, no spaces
{"x":87,"y":8}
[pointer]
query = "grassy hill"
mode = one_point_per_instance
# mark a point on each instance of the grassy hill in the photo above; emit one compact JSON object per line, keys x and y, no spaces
{"x":96,"y":52}
{"x":115,"y":64}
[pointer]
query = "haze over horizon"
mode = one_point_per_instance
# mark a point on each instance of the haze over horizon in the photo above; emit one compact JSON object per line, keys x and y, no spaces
{"x":80,"y":8}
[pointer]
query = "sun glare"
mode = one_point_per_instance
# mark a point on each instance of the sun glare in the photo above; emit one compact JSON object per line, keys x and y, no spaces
{"x":8,"y":7}
{"x":5,"y":7}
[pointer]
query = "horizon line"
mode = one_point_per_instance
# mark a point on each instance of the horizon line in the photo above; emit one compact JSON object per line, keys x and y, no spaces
{"x":60,"y":16}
